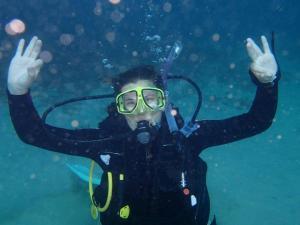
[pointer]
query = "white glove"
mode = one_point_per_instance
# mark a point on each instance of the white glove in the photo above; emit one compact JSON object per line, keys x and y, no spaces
{"x":24,"y":68}
{"x":263,"y":65}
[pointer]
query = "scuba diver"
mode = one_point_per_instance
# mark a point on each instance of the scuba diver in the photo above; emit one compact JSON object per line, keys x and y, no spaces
{"x":152,"y":172}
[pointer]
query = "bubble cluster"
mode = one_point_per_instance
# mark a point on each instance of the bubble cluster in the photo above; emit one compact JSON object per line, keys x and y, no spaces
{"x":98,"y":9}
{"x":110,"y":36}
{"x":154,"y":38}
{"x":66,"y":39}
{"x":229,"y":95}
{"x":232,"y":66}
{"x":135,"y":53}
{"x":114,"y":2}
{"x":212,"y":98}
{"x":53,"y":70}
{"x":116,"y":16}
{"x":279,"y":137}
{"x":32,"y":176}
{"x":55,"y":158}
{"x":46,"y":56}
{"x":15,"y":27}
{"x":167,"y":7}
{"x":194,"y":57}
{"x":106,"y":64}
{"x":75,"y":123}
{"x":173,"y":112}
{"x":216,"y":37}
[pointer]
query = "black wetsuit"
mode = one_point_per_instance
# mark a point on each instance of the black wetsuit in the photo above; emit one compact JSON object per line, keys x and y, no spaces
{"x":152,"y":173}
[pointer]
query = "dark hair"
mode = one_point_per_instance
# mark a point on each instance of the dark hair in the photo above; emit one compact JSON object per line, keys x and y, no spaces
{"x":144,"y":72}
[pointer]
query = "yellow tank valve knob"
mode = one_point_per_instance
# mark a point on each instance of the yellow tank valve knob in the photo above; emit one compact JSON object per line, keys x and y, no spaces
{"x":124,"y":212}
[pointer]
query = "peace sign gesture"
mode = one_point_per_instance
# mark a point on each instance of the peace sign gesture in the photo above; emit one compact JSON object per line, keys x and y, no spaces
{"x":24,"y":67}
{"x":263,"y":65}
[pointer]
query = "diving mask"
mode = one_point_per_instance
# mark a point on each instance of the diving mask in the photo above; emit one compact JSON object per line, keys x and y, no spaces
{"x":140,"y":99}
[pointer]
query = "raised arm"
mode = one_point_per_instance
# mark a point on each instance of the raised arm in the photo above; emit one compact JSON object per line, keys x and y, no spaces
{"x":23,"y":71}
{"x":265,"y":73}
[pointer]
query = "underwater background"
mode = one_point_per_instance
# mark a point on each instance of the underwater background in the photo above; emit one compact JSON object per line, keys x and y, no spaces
{"x":87,"y":42}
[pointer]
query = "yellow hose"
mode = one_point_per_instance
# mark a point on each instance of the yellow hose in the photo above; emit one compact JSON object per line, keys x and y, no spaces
{"x":91,"y":191}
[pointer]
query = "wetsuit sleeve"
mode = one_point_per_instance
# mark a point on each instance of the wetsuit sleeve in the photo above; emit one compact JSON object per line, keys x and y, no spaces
{"x":31,"y":130}
{"x":256,"y":120}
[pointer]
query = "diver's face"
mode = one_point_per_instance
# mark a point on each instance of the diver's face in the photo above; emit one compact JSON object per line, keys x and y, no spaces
{"x":154,"y":117}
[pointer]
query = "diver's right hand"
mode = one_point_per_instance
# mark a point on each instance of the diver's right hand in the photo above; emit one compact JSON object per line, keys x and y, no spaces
{"x":24,"y":68}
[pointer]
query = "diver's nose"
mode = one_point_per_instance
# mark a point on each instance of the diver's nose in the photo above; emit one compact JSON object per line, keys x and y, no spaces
{"x":142,"y":107}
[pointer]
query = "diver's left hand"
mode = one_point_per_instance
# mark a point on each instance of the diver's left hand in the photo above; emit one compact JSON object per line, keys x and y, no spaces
{"x":263,"y":65}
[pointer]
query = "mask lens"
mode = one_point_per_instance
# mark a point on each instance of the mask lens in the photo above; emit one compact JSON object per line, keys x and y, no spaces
{"x":153,"y":98}
{"x":127,"y":101}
